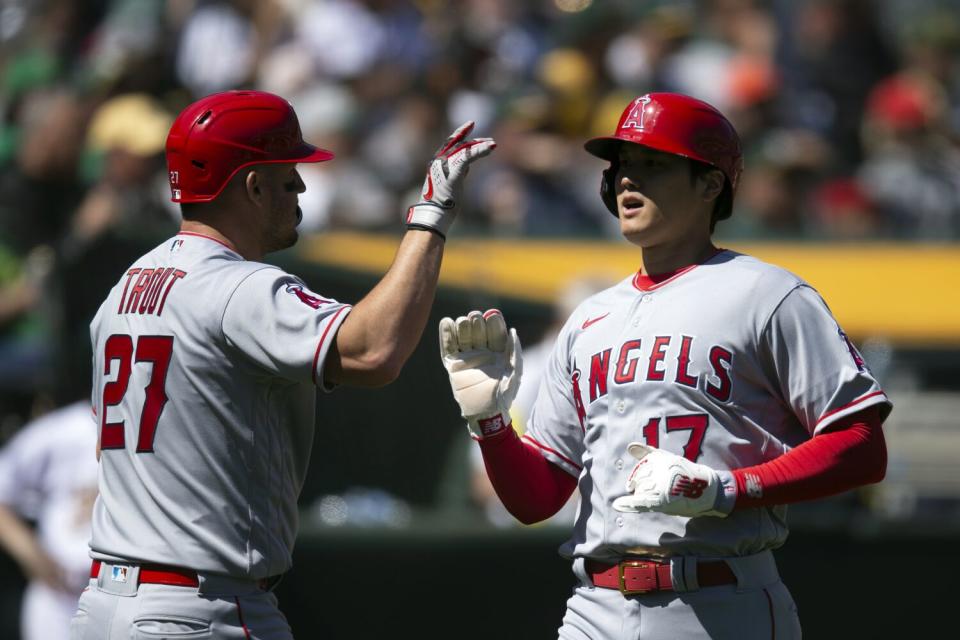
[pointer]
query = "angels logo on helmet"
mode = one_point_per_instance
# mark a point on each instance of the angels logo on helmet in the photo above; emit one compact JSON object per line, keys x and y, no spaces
{"x":637,"y":113}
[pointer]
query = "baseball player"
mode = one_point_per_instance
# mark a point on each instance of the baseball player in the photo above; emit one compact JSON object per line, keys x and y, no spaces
{"x":688,"y":403}
{"x":205,"y":367}
{"x":48,"y":474}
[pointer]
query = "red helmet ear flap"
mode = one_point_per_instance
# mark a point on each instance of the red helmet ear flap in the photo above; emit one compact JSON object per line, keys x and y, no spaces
{"x":608,"y":190}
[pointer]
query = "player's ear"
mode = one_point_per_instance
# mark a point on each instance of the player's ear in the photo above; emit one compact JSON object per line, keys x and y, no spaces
{"x":710,"y":184}
{"x":252,"y":184}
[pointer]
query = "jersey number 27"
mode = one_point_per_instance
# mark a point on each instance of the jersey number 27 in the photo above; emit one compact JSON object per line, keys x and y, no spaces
{"x":151,"y":349}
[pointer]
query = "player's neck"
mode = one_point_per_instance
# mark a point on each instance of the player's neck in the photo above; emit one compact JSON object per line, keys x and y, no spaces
{"x":232,"y":240}
{"x":660,"y":259}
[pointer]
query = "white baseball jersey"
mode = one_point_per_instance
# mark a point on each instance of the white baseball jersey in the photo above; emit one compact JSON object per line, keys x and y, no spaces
{"x":48,"y":473}
{"x":204,"y":374}
{"x":729,"y":363}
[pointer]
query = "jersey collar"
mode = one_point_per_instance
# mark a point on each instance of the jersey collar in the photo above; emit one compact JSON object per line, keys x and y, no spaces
{"x":645,"y":282}
{"x":203,"y":235}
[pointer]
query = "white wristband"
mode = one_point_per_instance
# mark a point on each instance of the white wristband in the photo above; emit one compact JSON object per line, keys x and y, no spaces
{"x":425,"y":215}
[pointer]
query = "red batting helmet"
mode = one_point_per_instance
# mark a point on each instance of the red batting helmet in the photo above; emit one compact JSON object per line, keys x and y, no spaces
{"x":216,"y":136}
{"x":672,"y":123}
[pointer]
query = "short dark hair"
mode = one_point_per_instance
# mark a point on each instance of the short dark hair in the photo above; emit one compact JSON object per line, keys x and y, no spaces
{"x":194,"y":210}
{"x":723,"y":205}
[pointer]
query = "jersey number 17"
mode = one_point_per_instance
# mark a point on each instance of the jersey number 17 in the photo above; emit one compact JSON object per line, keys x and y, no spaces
{"x":695,"y":423}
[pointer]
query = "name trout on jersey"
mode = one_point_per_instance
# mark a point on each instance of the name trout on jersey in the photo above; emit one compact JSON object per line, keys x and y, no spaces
{"x":149,"y":293}
{"x":655,"y":367}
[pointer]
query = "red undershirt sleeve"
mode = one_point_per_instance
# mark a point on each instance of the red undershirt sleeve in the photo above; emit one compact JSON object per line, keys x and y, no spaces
{"x":531,"y":487}
{"x":850,"y":454}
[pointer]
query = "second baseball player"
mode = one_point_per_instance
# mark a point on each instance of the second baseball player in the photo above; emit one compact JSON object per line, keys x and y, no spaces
{"x":688,"y":403}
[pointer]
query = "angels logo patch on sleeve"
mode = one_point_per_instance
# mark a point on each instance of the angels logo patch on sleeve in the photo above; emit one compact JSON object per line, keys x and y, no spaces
{"x":307,"y":298}
{"x":857,"y":358}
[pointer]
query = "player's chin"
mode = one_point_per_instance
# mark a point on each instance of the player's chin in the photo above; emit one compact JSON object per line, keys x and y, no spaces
{"x":636,"y":231}
{"x":290,"y":234}
{"x":637,"y":239}
{"x":647,"y":236}
{"x":281,"y":241}
{"x":291,"y":238}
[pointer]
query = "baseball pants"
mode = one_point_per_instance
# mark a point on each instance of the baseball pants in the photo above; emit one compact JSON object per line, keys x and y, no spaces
{"x":45,"y":612}
{"x":758,"y":606}
{"x":221,"y":608}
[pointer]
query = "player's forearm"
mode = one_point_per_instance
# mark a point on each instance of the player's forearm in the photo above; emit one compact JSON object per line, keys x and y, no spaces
{"x":16,"y":537}
{"x":851,"y":455}
{"x":530,"y":487}
{"x":384,"y":328}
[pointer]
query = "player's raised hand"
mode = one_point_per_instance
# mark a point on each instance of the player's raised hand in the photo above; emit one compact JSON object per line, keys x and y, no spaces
{"x":667,"y":483}
{"x":436,"y":208}
{"x":485,"y":363}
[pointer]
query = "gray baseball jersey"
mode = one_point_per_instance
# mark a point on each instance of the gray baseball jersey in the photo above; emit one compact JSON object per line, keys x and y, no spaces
{"x":204,"y":366}
{"x":729,"y":363}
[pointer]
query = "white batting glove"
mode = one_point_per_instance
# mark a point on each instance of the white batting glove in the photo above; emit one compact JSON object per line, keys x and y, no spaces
{"x":667,"y":483}
{"x":436,"y":207}
{"x":484,"y":362}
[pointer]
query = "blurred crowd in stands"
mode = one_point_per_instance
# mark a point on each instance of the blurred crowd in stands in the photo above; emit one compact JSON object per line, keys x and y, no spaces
{"x":848,"y":109}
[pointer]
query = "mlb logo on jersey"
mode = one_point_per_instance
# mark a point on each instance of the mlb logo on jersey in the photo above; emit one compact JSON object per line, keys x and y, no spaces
{"x":175,"y":246}
{"x":119,"y":574}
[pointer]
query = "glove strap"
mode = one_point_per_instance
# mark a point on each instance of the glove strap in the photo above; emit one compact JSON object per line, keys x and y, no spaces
{"x":429,"y":216}
{"x":423,"y":227}
{"x":482,"y":428}
{"x":726,"y":494}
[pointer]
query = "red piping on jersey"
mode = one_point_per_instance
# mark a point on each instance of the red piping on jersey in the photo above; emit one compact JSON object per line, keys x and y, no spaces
{"x":530,"y":439}
{"x":645,"y":282}
{"x":316,"y":356}
{"x":246,"y":632}
{"x":201,"y":235}
{"x":848,"y":405}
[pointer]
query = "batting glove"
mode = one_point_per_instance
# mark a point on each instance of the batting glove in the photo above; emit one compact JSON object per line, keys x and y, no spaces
{"x":667,"y":483}
{"x":435,"y":209}
{"x":484,"y":362}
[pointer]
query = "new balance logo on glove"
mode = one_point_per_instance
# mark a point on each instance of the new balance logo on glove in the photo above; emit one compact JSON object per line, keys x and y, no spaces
{"x":688,"y":487}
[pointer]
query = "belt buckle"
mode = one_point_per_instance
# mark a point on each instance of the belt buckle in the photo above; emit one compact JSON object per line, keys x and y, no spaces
{"x":639,"y":564}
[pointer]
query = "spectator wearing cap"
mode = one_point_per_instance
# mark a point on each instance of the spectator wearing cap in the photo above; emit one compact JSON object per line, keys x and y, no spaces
{"x":123,"y":212}
{"x":841,"y":209}
{"x":912,"y":168}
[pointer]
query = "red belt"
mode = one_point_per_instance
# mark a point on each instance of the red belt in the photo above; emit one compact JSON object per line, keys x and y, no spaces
{"x":159,"y":574}
{"x":163,"y":574}
{"x":642,"y":575}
